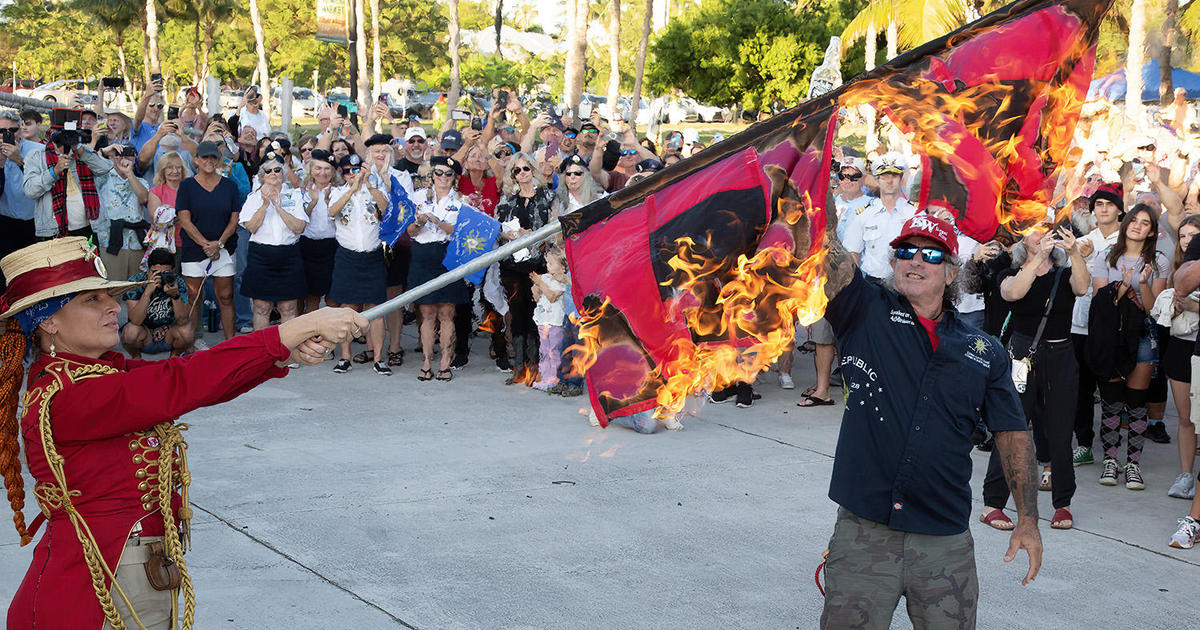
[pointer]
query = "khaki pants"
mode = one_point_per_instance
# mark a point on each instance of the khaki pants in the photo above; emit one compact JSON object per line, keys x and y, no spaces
{"x":122,"y":265}
{"x":870,"y":566}
{"x":153,"y":607}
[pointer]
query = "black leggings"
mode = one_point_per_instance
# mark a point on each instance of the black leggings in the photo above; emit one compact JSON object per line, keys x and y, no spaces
{"x":1085,"y":405}
{"x":1049,"y":403}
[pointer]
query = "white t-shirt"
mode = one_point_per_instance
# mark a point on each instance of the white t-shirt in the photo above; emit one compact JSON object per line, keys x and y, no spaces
{"x":548,"y":313}
{"x":259,"y":122}
{"x":357,"y":224}
{"x":273,"y":230}
{"x":1083,"y":303}
{"x":320,"y":224}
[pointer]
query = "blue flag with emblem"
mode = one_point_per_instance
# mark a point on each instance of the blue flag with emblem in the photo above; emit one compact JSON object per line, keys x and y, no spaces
{"x":475,"y":234}
{"x":401,"y":212}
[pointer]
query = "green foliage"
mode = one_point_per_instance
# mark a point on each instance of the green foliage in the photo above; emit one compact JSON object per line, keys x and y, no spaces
{"x":754,"y":53}
{"x":23,"y":39}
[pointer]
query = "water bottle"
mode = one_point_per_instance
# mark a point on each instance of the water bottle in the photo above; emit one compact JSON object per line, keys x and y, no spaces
{"x":212,"y":316}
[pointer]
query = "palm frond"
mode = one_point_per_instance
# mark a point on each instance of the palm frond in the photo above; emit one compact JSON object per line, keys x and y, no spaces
{"x":876,"y":14}
{"x":920,"y":21}
{"x":1189,"y":20}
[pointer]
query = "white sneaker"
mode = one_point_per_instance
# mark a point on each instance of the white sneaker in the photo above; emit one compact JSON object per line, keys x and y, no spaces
{"x":200,"y":345}
{"x":1184,"y":486}
{"x":785,"y":381}
{"x":1187,"y":535}
{"x":245,"y":329}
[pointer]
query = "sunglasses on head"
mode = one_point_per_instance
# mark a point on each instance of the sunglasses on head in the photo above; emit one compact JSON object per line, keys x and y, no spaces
{"x":850,"y":176}
{"x":416,"y":140}
{"x":271,"y":171}
{"x":573,"y":173}
{"x":439,"y":172}
{"x":520,"y":169}
{"x":628,"y":152}
{"x":931,"y":255}
{"x":501,"y":154}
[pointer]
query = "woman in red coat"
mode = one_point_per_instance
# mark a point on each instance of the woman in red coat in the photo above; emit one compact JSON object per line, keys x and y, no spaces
{"x":107,"y":459}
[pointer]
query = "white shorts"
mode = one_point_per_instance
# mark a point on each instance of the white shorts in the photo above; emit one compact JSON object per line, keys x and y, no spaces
{"x":222,"y":267}
{"x":1194,"y":392}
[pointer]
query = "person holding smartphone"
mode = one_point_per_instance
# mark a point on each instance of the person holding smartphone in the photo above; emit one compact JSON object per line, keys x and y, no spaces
{"x":250,"y":113}
{"x":149,"y":114}
{"x":16,"y":208}
{"x":159,"y":320}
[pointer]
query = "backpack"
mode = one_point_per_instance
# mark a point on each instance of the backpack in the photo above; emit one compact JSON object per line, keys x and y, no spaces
{"x":1115,"y":326}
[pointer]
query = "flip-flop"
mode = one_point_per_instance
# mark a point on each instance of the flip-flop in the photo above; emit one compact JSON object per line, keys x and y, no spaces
{"x":813,"y":401}
{"x":810,"y":391}
{"x":425,"y":375}
{"x":997,"y":519}
{"x":366,"y":356}
{"x":448,"y":375}
{"x":1062,"y":515}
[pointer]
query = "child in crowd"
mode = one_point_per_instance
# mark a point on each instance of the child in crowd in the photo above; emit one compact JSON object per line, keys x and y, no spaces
{"x":549,"y":289}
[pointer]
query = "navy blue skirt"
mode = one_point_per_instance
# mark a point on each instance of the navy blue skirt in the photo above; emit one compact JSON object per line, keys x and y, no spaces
{"x":274,"y":273}
{"x":426,"y":264}
{"x":358,"y":277}
{"x":318,"y":263}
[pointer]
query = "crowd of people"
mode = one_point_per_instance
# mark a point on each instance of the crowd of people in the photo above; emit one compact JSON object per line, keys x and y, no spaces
{"x":1097,"y":302}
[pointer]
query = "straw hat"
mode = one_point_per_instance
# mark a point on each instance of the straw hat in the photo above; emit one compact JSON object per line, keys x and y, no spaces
{"x":52,"y":269}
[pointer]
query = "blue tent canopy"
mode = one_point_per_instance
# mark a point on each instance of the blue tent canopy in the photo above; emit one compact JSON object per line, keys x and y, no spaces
{"x":1113,"y":87}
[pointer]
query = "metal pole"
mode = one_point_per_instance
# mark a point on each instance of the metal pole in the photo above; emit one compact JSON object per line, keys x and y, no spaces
{"x":546,"y":233}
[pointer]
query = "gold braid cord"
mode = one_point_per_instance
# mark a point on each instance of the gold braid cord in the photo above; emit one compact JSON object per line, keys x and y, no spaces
{"x":171,"y":447}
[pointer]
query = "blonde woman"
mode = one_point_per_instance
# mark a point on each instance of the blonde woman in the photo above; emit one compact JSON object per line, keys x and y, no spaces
{"x":171,"y":171}
{"x":526,"y":206}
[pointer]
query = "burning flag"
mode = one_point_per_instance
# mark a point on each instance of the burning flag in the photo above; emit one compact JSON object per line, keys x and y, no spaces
{"x":696,"y":277}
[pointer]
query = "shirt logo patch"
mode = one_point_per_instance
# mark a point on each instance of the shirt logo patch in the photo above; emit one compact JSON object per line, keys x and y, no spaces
{"x":902,"y":317}
{"x":977,"y":349}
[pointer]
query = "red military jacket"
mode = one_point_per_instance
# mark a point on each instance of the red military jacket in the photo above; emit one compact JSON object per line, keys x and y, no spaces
{"x":102,"y":423}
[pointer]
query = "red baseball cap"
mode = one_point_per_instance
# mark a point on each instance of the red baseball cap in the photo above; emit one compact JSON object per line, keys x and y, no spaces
{"x":929,"y":227}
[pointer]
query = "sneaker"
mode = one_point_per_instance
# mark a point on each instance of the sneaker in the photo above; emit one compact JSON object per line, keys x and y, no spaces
{"x":1157,"y":432}
{"x":1109,"y":476}
{"x":722,"y":396}
{"x":1187,"y":535}
{"x":342,"y":366}
{"x":786,"y":382}
{"x":459,"y":362}
{"x":382,"y":368}
{"x":199,"y":344}
{"x":503,"y":364}
{"x":294,"y":366}
{"x":571,"y":392}
{"x":745,"y":395}
{"x":1082,"y":456}
{"x":1133,"y":477}
{"x":557,"y":388}
{"x":245,"y":329}
{"x":1184,"y":486}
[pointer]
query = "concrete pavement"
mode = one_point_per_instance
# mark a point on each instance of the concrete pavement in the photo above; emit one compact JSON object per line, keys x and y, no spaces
{"x":358,"y":501}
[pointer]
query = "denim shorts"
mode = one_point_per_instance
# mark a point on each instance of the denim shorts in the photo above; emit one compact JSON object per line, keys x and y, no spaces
{"x":1147,"y":350}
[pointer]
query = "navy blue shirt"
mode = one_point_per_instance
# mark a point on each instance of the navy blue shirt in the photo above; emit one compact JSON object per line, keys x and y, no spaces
{"x":210,"y":214}
{"x":904,"y":453}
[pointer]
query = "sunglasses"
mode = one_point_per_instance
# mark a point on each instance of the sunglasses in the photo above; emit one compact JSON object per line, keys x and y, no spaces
{"x":628,"y":152}
{"x":438,"y":172}
{"x":155,"y":105}
{"x":271,"y":171}
{"x":1148,"y":147}
{"x":499,"y":155}
{"x":590,"y":131}
{"x":306,"y":150}
{"x":352,"y":169}
{"x":520,"y":169}
{"x":852,"y":177}
{"x":416,"y":140}
{"x":931,"y":255}
{"x":574,"y":173}
{"x":569,"y":134}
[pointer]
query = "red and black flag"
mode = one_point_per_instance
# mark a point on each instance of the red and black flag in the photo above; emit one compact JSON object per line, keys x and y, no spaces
{"x":694,"y":278}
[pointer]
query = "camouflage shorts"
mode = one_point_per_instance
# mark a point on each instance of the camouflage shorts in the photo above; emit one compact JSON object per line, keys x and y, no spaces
{"x":870,"y":566}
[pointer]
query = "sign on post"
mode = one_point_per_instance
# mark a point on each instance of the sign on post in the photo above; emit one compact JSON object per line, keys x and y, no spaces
{"x":333,"y":21}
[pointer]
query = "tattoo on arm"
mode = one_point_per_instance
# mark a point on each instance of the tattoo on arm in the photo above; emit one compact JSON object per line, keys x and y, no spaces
{"x":839,"y":266}
{"x":1020,"y":469}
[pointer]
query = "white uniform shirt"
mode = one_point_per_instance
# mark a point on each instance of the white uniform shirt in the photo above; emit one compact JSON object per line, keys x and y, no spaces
{"x":444,"y":210}
{"x":969,"y":302}
{"x":870,"y":236}
{"x":1083,"y":303}
{"x":320,"y":224}
{"x":273,"y":230}
{"x":849,"y":211}
{"x":358,"y":223}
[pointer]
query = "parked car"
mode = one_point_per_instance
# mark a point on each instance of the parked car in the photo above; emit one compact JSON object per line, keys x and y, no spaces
{"x":305,"y":102}
{"x":24,"y":86}
{"x":68,"y":92}
{"x":712,"y":113}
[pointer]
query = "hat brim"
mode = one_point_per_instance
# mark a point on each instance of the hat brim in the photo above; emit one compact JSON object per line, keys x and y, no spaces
{"x":889,"y":170}
{"x":93,"y":283}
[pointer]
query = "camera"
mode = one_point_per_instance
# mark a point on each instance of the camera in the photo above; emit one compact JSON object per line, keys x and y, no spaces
{"x":166,"y":278}
{"x":8,"y":136}
{"x":477,"y":124}
{"x":502,"y":99}
{"x":113,"y":82}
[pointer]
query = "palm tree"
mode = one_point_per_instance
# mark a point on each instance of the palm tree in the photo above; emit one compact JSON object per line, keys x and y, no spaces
{"x":908,"y":23}
{"x":577,"y":24}
{"x":260,"y":48}
{"x":1170,"y":32}
{"x":212,"y":13}
{"x":614,"y":57}
{"x":375,"y":73}
{"x":360,"y":54}
{"x":117,"y":16}
{"x":1135,"y":59}
{"x":152,"y":36}
{"x":455,"y":43}
{"x":641,"y":63}
{"x":498,"y":24}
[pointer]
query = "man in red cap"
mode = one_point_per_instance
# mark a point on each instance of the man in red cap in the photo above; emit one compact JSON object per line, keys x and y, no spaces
{"x":918,"y":378}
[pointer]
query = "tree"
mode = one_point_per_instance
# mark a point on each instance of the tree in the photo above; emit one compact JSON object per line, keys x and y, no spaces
{"x":498,"y":24}
{"x":260,"y":48}
{"x":636,"y":102}
{"x":573,"y":73}
{"x":152,"y":37}
{"x":116,"y":16}
{"x":360,"y":55}
{"x":614,"y":56}
{"x":455,"y":61}
{"x":908,"y":23}
{"x":1135,"y":60}
{"x":1170,"y":31}
{"x":376,"y":81}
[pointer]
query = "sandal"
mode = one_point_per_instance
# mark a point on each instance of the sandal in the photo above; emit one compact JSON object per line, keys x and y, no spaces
{"x":807,"y":347}
{"x":444,"y":375}
{"x":1044,"y":484}
{"x":810,"y":391}
{"x":366,"y":356}
{"x":1062,"y":519}
{"x":997,"y":519}
{"x":361,"y":339}
{"x":395,"y":359}
{"x":813,"y":401}
{"x":425,"y":375}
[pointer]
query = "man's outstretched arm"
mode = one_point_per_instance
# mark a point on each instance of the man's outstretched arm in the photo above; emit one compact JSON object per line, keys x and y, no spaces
{"x":1020,"y":469}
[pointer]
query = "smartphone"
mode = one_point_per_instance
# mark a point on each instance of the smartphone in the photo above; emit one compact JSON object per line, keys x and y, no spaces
{"x":552,"y":148}
{"x":460,"y":114}
{"x":477,"y":124}
{"x":502,"y":99}
{"x":342,"y":111}
{"x":172,"y":112}
{"x":112,"y":82}
{"x":156,"y":77}
{"x":8,"y":136}
{"x":383,"y":100}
